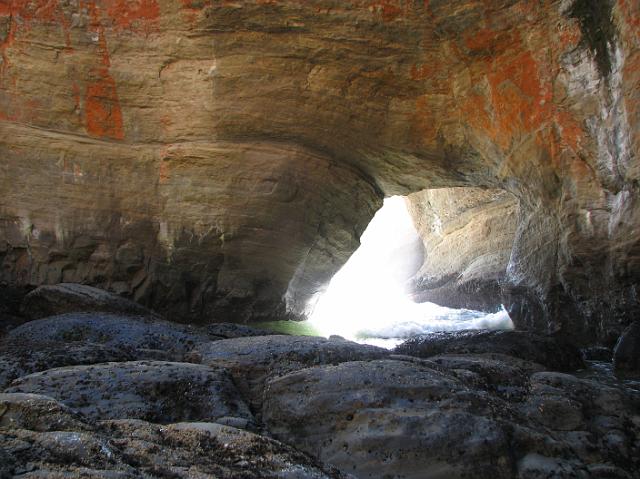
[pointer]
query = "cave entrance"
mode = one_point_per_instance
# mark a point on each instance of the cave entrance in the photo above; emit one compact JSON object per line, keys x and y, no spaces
{"x":374,"y":299}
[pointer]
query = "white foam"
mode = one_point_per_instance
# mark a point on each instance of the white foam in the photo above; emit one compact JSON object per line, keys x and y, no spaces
{"x":367,"y":301}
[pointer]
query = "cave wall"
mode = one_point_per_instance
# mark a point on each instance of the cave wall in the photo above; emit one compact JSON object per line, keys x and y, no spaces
{"x":467,"y":234}
{"x":136,"y":138}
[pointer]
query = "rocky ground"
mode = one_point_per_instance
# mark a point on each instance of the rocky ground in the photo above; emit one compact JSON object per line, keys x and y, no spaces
{"x":113,"y":393}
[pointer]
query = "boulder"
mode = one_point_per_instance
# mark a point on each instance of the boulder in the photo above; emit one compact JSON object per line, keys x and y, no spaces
{"x":626,"y":354}
{"x":232,"y":330}
{"x":129,"y":448}
{"x":389,"y":418}
{"x":598,"y":422}
{"x":407,"y":419}
{"x":10,"y":315}
{"x":117,"y":330}
{"x":72,"y":298}
{"x":251,"y":360}
{"x":157,"y":391}
{"x":553,"y":352}
{"x":38,"y":413}
{"x":502,"y":375}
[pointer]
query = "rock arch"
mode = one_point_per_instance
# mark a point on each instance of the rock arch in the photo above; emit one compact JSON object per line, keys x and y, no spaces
{"x":200,"y":156}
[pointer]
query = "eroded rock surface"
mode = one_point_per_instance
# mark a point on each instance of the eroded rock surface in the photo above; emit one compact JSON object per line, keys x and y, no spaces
{"x":59,"y":445}
{"x":137,"y":332}
{"x":626,"y":355}
{"x":390,"y":418}
{"x":252,"y":360}
{"x":554,"y":352}
{"x":220,"y":159}
{"x":500,"y":374}
{"x":468,"y":235}
{"x":156,"y":391}
{"x":63,"y":298}
{"x":337,"y":409}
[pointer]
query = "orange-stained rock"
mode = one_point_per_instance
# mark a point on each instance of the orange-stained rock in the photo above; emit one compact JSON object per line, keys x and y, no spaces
{"x":239,"y":148}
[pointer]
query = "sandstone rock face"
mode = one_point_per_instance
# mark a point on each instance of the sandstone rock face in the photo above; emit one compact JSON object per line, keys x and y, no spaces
{"x":221,"y":158}
{"x":72,"y":298}
{"x":468,"y":236}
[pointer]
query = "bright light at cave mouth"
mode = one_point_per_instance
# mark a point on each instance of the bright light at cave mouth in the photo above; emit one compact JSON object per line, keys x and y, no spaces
{"x":368,"y":301}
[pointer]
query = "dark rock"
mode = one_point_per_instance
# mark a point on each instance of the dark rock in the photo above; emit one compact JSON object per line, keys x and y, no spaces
{"x":232,"y":330}
{"x":71,"y":298}
{"x":10,"y":300}
{"x":626,"y":354}
{"x":119,"y":449}
{"x":38,"y":413}
{"x":136,"y":332}
{"x":553,"y":352}
{"x":42,"y":438}
{"x":16,"y":360}
{"x":390,"y":418}
{"x":504,"y":376}
{"x":251,"y":360}
{"x":158,"y":391}
{"x":598,"y":422}
{"x":597,"y":353}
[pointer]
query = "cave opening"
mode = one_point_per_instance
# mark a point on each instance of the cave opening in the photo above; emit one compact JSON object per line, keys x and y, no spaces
{"x":375,"y":298}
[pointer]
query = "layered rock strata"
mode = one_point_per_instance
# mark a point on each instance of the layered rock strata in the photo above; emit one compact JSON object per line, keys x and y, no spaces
{"x":220,"y":159}
{"x":467,"y":235}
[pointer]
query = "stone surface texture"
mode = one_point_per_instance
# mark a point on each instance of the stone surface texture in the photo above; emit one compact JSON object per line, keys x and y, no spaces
{"x":467,"y":235}
{"x":626,"y":354}
{"x":73,"y":298}
{"x":289,"y":407}
{"x":222,"y":158}
{"x":157,"y":391}
{"x":554,"y":352}
{"x":252,"y":360}
{"x":59,"y":444}
{"x":402,"y":419}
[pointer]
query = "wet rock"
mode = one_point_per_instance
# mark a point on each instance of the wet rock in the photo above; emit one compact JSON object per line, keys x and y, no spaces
{"x":157,"y":391}
{"x":389,"y":418}
{"x":597,"y":353}
{"x":505,"y":376}
{"x":599,"y":423}
{"x":16,"y":360}
{"x":136,"y":332}
{"x":37,"y":413}
{"x":626,"y":354}
{"x":553,"y":352}
{"x":42,"y":438}
{"x":392,"y":418}
{"x":232,"y":330}
{"x":10,"y":315}
{"x":71,"y":298}
{"x":251,"y":360}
